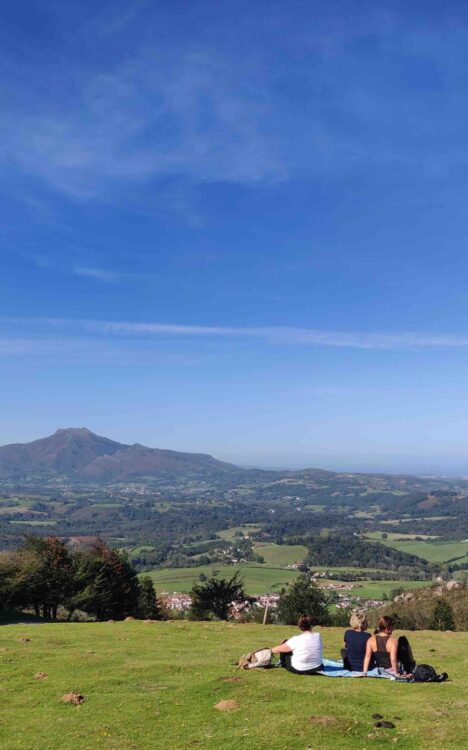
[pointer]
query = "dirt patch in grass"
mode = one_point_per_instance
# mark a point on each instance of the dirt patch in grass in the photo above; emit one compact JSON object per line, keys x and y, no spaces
{"x":228,"y":705}
{"x":75,"y":698}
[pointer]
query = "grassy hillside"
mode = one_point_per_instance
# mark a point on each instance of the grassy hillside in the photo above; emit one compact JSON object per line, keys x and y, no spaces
{"x":432,"y":551}
{"x":376,"y":589}
{"x":151,"y":686}
{"x":280,"y":555}
{"x":257,"y":579}
{"x":261,"y":579}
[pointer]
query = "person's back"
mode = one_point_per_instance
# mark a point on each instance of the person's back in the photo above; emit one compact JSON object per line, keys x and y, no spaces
{"x":306,"y":651}
{"x":382,"y":647}
{"x":381,"y":653}
{"x":301,"y":654}
{"x":355,"y":644}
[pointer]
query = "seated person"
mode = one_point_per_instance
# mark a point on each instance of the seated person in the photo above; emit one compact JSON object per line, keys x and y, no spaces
{"x":388,"y":652}
{"x":302,"y":654}
{"x":355,"y":642}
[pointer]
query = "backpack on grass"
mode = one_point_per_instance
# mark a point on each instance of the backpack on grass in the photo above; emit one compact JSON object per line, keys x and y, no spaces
{"x":426,"y":673}
{"x":260,"y":658}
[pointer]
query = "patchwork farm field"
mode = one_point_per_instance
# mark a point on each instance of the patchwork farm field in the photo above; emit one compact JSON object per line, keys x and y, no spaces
{"x":279,"y":555}
{"x":432,"y":551}
{"x":155,"y":687}
{"x":391,"y":536}
{"x":229,"y":534}
{"x":376,"y":589}
{"x":258,"y":579}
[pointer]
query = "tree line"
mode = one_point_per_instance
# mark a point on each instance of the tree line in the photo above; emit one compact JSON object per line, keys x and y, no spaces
{"x":44,"y":575}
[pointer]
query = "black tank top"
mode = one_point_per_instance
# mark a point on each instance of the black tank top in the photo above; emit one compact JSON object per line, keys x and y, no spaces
{"x":381,"y":655}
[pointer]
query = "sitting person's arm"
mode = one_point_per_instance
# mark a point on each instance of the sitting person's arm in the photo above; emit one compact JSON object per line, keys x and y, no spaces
{"x":283,"y":648}
{"x":393,"y":644}
{"x":367,"y":657}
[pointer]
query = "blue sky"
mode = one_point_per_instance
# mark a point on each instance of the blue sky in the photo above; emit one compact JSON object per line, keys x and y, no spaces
{"x":238,"y":228}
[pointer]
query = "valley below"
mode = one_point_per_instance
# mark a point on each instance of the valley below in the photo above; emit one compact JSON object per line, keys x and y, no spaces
{"x":181,"y":517}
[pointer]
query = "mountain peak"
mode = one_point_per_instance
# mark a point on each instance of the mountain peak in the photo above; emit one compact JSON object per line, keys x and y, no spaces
{"x":77,"y":452}
{"x":73,"y":431}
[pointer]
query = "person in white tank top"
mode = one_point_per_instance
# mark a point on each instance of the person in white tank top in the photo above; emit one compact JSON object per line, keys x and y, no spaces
{"x":302,"y":654}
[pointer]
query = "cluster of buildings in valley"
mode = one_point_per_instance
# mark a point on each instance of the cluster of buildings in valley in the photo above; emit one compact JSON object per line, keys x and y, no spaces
{"x":181,"y":602}
{"x":176,"y":602}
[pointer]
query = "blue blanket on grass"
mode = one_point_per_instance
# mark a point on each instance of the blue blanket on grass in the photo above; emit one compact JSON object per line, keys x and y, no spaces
{"x":334,"y":668}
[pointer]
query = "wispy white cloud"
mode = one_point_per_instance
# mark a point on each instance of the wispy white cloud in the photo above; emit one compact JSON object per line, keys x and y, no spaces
{"x":293,"y":335}
{"x":210,"y":114}
{"x":274,"y":335}
{"x":76,"y":262}
{"x":97,"y":273}
{"x":192,"y":115}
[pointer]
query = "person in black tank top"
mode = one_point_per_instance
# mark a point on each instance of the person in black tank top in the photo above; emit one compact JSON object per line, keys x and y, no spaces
{"x":383,"y":647}
{"x":381,"y":655}
{"x":388,"y":652}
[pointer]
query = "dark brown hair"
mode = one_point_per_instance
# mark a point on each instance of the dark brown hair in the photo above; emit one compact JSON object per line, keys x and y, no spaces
{"x":385,"y":623}
{"x":305,"y":623}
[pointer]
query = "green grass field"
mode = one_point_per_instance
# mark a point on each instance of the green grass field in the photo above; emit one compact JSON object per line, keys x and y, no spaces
{"x":34,"y":523}
{"x":376,"y":589}
{"x":258,"y":579}
{"x":280,"y":555}
{"x":229,"y":534}
{"x":394,"y":536}
{"x":432,"y":551}
{"x":142,"y":548}
{"x":154,"y":687}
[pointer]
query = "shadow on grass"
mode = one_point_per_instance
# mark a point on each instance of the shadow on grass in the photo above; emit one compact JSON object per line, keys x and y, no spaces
{"x":13,"y":617}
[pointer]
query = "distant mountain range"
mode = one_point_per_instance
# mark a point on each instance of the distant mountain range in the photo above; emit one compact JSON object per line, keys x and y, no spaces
{"x":80,"y":454}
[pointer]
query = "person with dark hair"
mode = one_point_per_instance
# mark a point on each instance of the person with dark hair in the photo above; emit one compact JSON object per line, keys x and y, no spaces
{"x":389,"y":653}
{"x":302,"y":654}
{"x":355,"y":642}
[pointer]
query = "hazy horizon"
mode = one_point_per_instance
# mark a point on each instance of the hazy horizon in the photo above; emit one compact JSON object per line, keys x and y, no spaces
{"x":238,"y":229}
{"x":345,"y":464}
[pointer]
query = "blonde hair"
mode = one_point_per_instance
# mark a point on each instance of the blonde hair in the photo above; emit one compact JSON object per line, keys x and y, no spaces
{"x":358,"y":620}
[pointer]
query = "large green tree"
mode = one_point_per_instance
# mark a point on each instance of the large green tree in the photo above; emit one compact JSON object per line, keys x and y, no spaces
{"x":107,"y":583}
{"x":41,"y":575}
{"x":148,"y":608}
{"x":303,"y":598}
{"x":215,"y":596}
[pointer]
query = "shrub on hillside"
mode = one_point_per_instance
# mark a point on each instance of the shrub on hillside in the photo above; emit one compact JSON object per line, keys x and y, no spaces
{"x":213,"y":598}
{"x":442,"y":616}
{"x":340,"y":618}
{"x":303,"y":598}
